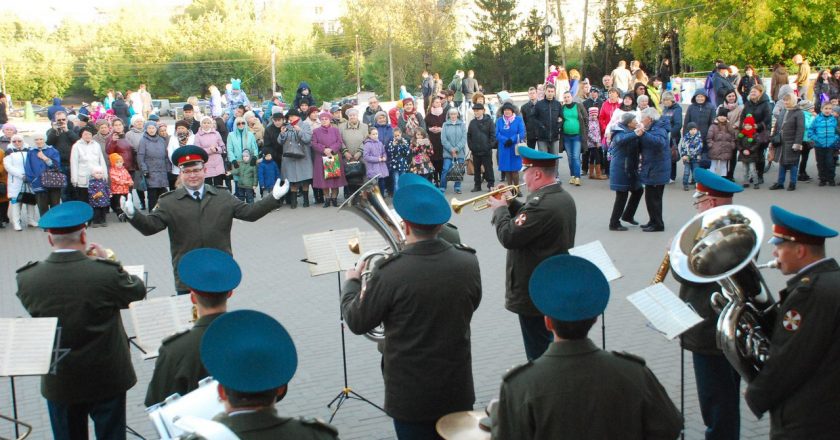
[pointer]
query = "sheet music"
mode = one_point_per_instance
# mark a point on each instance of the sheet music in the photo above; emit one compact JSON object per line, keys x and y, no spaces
{"x":138,"y":270}
{"x":665,"y":311}
{"x":330,"y":250}
{"x":372,"y":241}
{"x":597,"y":255}
{"x":26,"y":345}
{"x":155,"y":319}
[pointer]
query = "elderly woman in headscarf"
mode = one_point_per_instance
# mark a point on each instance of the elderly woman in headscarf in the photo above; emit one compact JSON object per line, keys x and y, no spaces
{"x":409,"y":120}
{"x":326,"y":146}
{"x":210,"y":140}
{"x":353,"y":134}
{"x":15,"y":165}
{"x":9,"y":130}
{"x":84,"y":156}
{"x":154,"y":162}
{"x":42,"y":157}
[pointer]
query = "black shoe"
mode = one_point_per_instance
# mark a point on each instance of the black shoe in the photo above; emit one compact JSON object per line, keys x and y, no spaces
{"x":475,"y":189}
{"x":791,"y":187}
{"x":490,"y":186}
{"x":326,"y":203}
{"x":306,"y":199}
{"x":776,"y":186}
{"x":755,"y":186}
{"x":760,"y":180}
{"x":646,"y":225}
{"x":822,"y":183}
{"x":803,"y":178}
{"x":293,"y":202}
{"x":335,"y":202}
{"x":831,"y":183}
{"x":653,"y":229}
{"x":617,"y":228}
{"x":631,"y":221}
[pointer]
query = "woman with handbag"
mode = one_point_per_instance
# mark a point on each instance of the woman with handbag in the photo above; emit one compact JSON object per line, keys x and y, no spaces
{"x":43,"y":170}
{"x":510,"y":130}
{"x":296,"y":166}
{"x":454,"y":139}
{"x":353,"y":134}
{"x":327,"y":162}
{"x":18,"y":188}
{"x":154,"y":163}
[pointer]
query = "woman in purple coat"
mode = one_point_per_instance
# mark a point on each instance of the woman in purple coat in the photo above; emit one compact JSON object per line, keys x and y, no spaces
{"x":326,"y":143}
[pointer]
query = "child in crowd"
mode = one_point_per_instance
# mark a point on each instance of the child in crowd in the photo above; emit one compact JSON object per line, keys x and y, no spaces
{"x":807,"y":144}
{"x":245,"y":171}
{"x":398,"y":151}
{"x":376,"y":159}
{"x":99,"y":196}
{"x":267,"y":173}
{"x":121,"y":183}
{"x":421,"y":155}
{"x":746,"y":147}
{"x":691,"y":149}
{"x":823,"y":133}
{"x":593,"y":141}
{"x":721,"y":140}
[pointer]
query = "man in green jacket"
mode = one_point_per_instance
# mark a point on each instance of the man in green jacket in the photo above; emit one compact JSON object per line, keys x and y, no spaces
{"x":85,"y":291}
{"x":212,"y":275}
{"x":198,"y":215}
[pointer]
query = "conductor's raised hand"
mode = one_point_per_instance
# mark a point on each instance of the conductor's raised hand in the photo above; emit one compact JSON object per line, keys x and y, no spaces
{"x":280,"y":190}
{"x":127,"y":206}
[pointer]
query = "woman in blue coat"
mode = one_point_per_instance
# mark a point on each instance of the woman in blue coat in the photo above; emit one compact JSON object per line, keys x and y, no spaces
{"x":42,"y":157}
{"x":510,"y":130}
{"x":656,"y":166}
{"x":624,"y":171}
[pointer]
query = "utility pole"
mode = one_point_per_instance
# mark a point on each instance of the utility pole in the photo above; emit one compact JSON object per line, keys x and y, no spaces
{"x":583,"y":38}
{"x":390,"y":61}
{"x":358,"y":68}
{"x":561,"y":27}
{"x":608,"y":34}
{"x":273,"y":69}
{"x":545,"y":39}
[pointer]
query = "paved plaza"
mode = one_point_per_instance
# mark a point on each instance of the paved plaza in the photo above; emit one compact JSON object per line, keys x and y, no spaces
{"x":275,"y":281}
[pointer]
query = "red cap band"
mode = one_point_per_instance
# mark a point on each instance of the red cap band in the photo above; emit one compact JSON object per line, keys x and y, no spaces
{"x":712,"y":192}
{"x":796,"y":236}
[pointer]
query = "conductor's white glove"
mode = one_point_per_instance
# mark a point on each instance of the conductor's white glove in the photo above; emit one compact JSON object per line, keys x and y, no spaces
{"x":280,"y":190}
{"x":127,"y":205}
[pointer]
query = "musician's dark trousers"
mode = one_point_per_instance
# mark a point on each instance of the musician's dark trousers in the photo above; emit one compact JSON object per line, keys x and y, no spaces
{"x":416,"y":430}
{"x":70,"y":422}
{"x":536,"y":337}
{"x":718,"y":389}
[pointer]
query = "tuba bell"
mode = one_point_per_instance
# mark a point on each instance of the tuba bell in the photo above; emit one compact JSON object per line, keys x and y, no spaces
{"x":720,"y":245}
{"x":367,"y":203}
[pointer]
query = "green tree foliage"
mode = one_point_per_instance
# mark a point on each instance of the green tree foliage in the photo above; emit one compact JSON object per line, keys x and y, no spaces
{"x":319,"y":70}
{"x":36,"y":70}
{"x":497,"y":25}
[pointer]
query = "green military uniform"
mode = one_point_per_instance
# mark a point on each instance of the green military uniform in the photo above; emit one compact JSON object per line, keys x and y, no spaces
{"x":531,"y":232}
{"x":265,"y":424}
{"x":194,"y":224}
{"x":86,"y":296}
{"x":577,"y":391}
{"x":425,"y":296}
{"x":700,"y":338}
{"x":178,"y":367}
{"x":800,"y":384}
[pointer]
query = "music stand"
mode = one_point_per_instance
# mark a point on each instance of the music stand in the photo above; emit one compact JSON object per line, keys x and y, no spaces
{"x":328,"y":252}
{"x":29,"y":347}
{"x":139,"y":271}
{"x":157,"y":318}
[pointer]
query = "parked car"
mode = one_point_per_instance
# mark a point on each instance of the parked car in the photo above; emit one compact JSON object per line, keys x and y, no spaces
{"x":161,"y":107}
{"x":20,"y":111}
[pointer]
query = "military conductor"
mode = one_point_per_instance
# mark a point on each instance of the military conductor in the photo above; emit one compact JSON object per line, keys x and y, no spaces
{"x":211,"y":275}
{"x":799,"y":383}
{"x":85,"y":291}
{"x":576,"y":390}
{"x":198,"y":215}
{"x":425,"y":297}
{"x":531,"y":232}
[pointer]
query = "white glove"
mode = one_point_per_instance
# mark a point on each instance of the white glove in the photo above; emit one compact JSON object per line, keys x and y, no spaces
{"x":279,"y":191}
{"x":127,"y":205}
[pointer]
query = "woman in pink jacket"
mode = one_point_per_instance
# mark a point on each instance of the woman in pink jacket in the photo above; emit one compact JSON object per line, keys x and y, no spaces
{"x":211,"y":141}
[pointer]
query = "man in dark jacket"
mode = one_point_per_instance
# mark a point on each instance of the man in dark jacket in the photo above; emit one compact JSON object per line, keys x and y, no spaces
{"x":481,"y":140}
{"x":427,"y":362}
{"x":369,"y":117}
{"x":718,"y":384}
{"x":92,"y":379}
{"x":120,"y":108}
{"x":56,"y":107}
{"x":527,"y":111}
{"x":427,"y":88}
{"x":547,"y":116}
{"x":799,"y":383}
{"x":655,"y":171}
{"x":721,"y":84}
{"x":531,"y":232}
{"x":189,"y":118}
{"x":62,"y":137}
{"x":672,"y":110}
{"x":303,"y":94}
{"x":271,"y":144}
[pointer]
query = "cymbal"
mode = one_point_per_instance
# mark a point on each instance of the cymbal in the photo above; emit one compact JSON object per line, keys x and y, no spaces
{"x":462,"y":426}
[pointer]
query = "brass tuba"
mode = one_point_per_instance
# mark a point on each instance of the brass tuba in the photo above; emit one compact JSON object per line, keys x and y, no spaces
{"x":720,"y":245}
{"x":367,"y":203}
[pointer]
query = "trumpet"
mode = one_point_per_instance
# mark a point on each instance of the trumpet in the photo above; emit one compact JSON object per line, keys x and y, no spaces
{"x":480,"y":202}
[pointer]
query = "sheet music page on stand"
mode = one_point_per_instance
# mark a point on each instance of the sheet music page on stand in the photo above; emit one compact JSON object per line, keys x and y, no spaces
{"x":597,"y":255}
{"x":157,"y":318}
{"x":138,"y":270}
{"x":330,"y":250}
{"x":372,"y":241}
{"x":665,"y":310}
{"x":26,"y":345}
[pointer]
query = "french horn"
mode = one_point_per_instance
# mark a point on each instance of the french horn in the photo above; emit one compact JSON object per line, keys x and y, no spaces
{"x":720,"y":246}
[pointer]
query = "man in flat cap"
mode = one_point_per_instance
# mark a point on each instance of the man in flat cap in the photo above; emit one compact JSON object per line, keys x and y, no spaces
{"x":576,"y":390}
{"x":198,"y":215}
